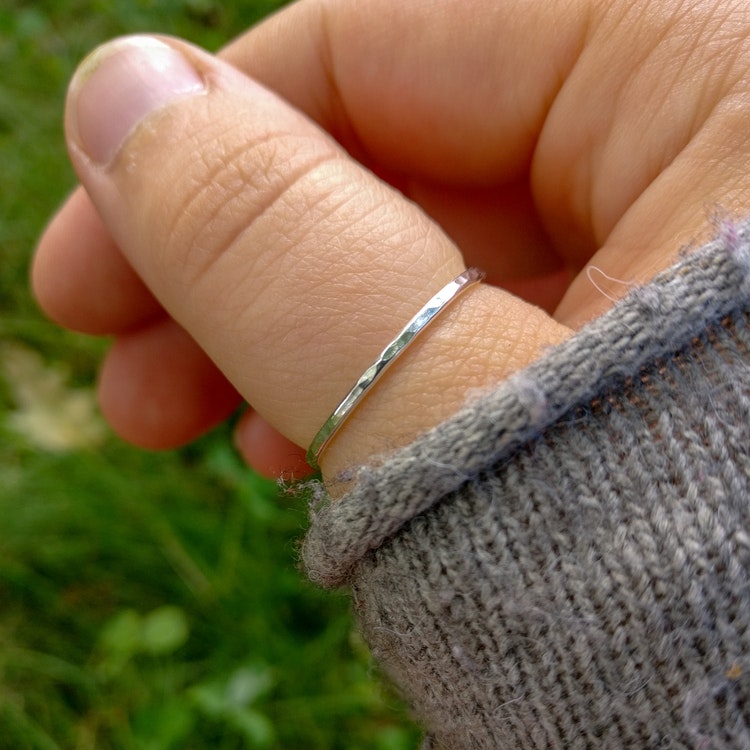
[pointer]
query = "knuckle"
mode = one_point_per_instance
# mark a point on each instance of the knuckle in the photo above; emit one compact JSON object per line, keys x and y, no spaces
{"x":224,"y":194}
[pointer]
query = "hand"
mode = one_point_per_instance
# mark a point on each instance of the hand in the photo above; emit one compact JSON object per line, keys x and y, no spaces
{"x":236,"y":250}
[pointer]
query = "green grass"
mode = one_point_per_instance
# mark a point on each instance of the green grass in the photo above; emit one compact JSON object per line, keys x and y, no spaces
{"x":147,"y":601}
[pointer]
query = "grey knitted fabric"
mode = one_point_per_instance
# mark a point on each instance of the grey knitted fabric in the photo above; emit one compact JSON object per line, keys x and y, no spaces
{"x":566,"y":563}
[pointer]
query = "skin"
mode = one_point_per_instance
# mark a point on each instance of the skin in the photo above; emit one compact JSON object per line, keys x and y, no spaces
{"x":263,"y":238}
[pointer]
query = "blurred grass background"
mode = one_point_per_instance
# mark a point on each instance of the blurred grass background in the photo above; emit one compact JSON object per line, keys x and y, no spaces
{"x":147,"y":601}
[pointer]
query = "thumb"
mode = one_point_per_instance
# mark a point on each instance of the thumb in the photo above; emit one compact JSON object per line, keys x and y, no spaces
{"x":286,"y":261}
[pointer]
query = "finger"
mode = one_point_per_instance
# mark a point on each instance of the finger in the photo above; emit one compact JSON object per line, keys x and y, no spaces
{"x":267,"y":451}
{"x":159,"y":390}
{"x":82,"y":280}
{"x":647,"y":141}
{"x":290,"y":265}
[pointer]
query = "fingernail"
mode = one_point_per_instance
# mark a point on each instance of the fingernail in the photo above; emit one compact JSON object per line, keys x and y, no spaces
{"x":118,"y":85}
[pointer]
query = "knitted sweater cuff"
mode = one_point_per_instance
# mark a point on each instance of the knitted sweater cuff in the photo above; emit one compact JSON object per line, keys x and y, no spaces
{"x":651,"y":323}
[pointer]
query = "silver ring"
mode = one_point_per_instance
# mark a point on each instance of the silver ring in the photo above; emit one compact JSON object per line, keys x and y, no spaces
{"x":388,"y":356}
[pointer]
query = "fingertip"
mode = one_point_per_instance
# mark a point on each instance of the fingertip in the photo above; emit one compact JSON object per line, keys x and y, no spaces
{"x":51,"y":289}
{"x":80,"y":278}
{"x":267,"y":451}
{"x":158,"y":390}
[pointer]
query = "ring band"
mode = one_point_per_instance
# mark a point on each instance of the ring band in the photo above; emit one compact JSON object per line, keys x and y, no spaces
{"x":388,"y":356}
